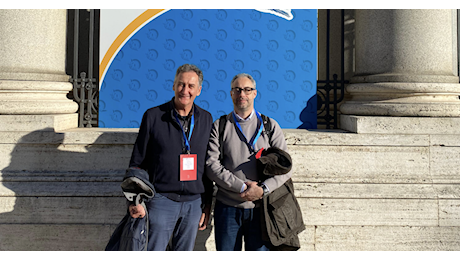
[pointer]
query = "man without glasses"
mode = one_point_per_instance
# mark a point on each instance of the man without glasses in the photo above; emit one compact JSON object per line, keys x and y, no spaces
{"x":171,"y":146}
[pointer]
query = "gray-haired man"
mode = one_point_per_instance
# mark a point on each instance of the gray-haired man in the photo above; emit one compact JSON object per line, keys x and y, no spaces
{"x":171,"y":146}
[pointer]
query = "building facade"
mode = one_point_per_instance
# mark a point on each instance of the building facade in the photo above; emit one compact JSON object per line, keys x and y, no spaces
{"x":387,"y":179}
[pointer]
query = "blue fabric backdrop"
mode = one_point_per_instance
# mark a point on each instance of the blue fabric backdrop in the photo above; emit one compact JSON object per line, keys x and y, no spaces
{"x":279,"y":53}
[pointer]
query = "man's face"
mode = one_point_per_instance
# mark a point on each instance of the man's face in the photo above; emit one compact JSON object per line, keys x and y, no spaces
{"x":186,"y":89}
{"x":241,"y":100}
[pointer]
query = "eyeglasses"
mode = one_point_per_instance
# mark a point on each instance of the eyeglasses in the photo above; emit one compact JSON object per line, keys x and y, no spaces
{"x":247,"y":91}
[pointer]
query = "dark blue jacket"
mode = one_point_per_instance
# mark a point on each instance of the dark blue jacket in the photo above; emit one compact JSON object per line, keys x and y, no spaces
{"x":131,"y":233}
{"x":159,"y":145}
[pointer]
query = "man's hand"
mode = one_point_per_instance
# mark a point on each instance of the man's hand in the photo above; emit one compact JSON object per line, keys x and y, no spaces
{"x":204,"y":220}
{"x":136,"y":211}
{"x":253,"y":192}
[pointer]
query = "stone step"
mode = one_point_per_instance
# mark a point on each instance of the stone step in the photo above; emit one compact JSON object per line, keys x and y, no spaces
{"x":51,"y":237}
{"x":317,"y":157}
{"x":109,"y":186}
{"x":322,"y":203}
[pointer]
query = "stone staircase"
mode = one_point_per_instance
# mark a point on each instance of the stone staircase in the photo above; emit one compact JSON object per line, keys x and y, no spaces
{"x":361,"y":192}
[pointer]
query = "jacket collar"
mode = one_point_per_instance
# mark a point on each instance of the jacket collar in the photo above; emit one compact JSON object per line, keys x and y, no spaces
{"x":173,"y":110}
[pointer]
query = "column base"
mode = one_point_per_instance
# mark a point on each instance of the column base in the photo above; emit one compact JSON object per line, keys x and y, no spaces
{"x":22,"y":97}
{"x":402,"y":99}
{"x":38,"y":122}
{"x":400,"y":125}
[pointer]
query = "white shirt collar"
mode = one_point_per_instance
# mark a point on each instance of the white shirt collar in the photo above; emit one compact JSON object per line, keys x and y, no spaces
{"x":239,"y":118}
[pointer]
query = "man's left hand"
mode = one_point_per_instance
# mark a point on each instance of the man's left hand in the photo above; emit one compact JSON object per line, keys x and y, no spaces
{"x":253,"y":192}
{"x":204,"y":220}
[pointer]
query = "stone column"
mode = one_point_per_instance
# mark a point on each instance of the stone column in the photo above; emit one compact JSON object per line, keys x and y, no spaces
{"x":33,"y":83}
{"x":406,"y":67}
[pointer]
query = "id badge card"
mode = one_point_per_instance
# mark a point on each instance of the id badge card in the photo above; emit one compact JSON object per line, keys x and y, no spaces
{"x":188,"y":169}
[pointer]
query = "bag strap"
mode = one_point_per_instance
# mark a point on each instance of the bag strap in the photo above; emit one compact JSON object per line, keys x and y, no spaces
{"x":222,"y":123}
{"x":267,"y":127}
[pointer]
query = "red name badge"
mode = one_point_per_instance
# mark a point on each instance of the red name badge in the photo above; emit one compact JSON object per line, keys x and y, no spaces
{"x":188,"y":167}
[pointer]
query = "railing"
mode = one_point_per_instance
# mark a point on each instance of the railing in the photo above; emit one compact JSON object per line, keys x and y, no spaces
{"x":82,"y":63}
{"x":330,"y":92}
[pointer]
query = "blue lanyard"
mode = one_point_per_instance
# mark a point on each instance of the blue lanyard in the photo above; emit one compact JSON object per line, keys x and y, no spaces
{"x":192,"y":124}
{"x":256,"y":135}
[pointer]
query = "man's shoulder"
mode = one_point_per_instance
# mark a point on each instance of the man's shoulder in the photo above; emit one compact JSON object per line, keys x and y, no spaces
{"x":160,"y":108}
{"x":223,"y":119}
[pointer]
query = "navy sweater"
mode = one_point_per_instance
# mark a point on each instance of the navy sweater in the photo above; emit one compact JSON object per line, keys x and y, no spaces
{"x":159,"y":145}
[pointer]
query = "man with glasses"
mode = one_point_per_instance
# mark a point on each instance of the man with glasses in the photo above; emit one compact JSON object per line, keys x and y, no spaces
{"x":233,"y":167}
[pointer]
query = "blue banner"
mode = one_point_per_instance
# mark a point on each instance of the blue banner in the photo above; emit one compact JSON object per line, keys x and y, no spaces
{"x":278,"y":48}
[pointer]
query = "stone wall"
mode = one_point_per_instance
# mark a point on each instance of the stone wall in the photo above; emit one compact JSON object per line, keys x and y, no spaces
{"x":60,"y":190}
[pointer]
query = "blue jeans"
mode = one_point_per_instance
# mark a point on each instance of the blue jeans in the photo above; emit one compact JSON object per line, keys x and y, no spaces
{"x":232,"y":224}
{"x":171,"y":218}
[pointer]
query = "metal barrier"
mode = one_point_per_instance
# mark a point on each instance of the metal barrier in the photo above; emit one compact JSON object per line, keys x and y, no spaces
{"x":330,"y":92}
{"x":83,"y":63}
